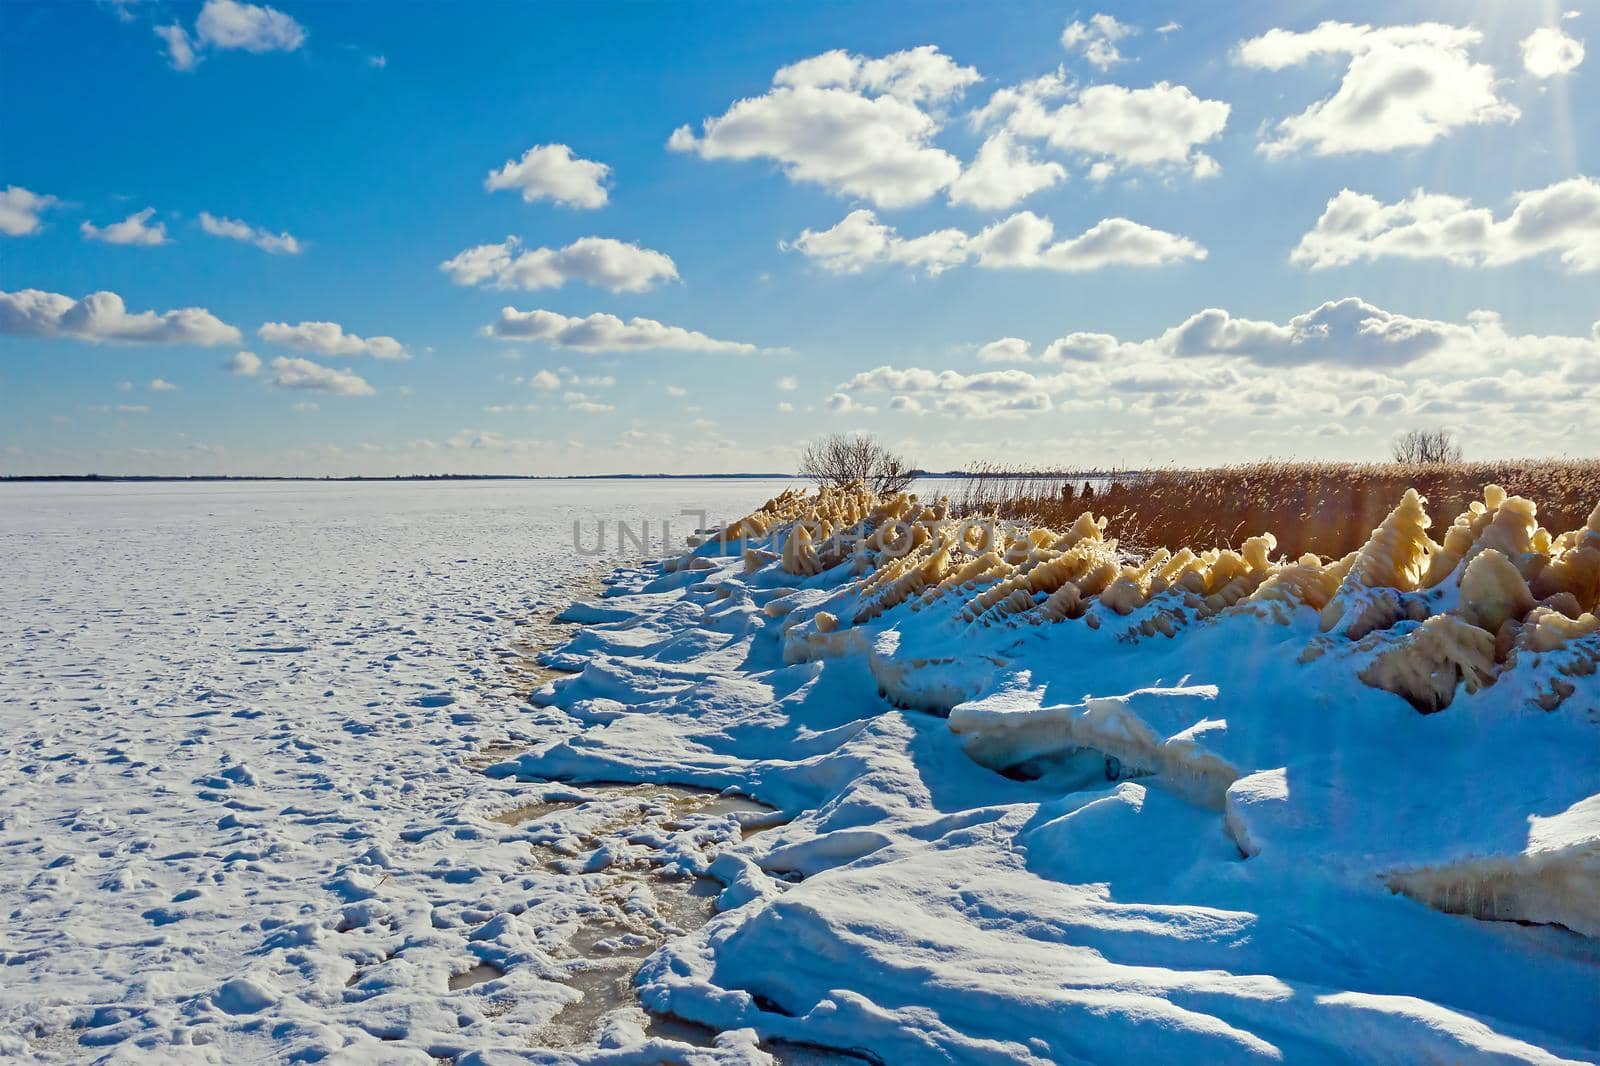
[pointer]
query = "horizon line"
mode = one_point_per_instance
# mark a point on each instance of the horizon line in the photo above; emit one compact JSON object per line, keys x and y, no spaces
{"x":753,"y":476}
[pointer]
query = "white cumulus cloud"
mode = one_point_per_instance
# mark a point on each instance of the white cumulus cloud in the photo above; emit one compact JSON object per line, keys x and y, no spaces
{"x":233,"y":229}
{"x":19,"y":210}
{"x":1561,"y":219}
{"x":1346,"y":363}
{"x":585,"y":404}
{"x":599,"y":261}
{"x":916,"y":75}
{"x":1549,"y":53}
{"x":859,"y":240}
{"x":1006,"y":350}
{"x":855,"y":125}
{"x":1003,"y":173}
{"x":296,"y":373}
{"x":1097,"y":39}
{"x":982,"y":394}
{"x":1404,"y":86}
{"x":330,"y":339}
{"x":102,"y":317}
{"x":1027,"y":241}
{"x":133,"y":230}
{"x":249,"y":27}
{"x":1115,"y":127}
{"x":180,"y":48}
{"x":1344,"y":332}
{"x":229,"y":24}
{"x":1022,"y":241}
{"x":552,"y":172}
{"x":601,"y":332}
{"x":245,"y":364}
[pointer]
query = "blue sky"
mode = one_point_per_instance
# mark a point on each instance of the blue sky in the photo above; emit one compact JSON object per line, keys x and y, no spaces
{"x":1154,"y":233}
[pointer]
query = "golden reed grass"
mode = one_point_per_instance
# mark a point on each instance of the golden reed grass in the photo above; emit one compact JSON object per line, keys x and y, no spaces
{"x":1326,"y":508}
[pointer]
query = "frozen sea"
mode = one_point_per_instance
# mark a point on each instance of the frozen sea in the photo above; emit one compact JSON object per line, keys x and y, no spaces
{"x":240,"y":727}
{"x":284,"y":777}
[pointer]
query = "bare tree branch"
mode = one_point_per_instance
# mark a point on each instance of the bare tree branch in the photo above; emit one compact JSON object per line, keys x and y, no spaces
{"x":840,"y":458}
{"x":1426,"y":446}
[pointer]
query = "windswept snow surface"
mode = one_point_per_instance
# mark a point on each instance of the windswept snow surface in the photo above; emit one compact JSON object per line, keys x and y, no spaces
{"x":240,"y":820}
{"x":1201,"y":849}
{"x":240,"y":815}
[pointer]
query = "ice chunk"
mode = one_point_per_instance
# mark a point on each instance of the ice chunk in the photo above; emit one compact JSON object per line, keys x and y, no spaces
{"x":1556,"y":878}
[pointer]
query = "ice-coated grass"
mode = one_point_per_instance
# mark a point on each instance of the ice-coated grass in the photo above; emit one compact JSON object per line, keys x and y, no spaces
{"x":1189,"y":847}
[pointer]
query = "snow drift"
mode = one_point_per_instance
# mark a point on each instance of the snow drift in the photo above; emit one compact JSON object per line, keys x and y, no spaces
{"x":1053,"y":799}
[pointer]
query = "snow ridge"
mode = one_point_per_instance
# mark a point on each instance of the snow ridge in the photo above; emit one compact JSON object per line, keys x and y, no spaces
{"x":1171,"y":806}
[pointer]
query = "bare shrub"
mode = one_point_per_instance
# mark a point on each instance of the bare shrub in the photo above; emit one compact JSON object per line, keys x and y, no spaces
{"x":1426,"y":446}
{"x":841,"y":458}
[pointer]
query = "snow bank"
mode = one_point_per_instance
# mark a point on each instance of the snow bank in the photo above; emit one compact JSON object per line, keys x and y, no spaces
{"x":1180,"y":807}
{"x":1555,"y":878}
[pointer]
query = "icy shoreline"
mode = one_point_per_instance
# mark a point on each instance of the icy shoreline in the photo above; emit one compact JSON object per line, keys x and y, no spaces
{"x":245,"y":813}
{"x":1232,"y":895}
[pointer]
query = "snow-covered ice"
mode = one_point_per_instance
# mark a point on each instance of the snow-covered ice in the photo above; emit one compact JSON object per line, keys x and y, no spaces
{"x":269,"y":787}
{"x":240,"y":812}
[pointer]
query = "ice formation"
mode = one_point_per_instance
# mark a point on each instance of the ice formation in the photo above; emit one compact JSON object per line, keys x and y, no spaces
{"x":1554,"y":879}
{"x":1428,"y":664}
{"x":1391,"y":563}
{"x":1506,"y":524}
{"x":1498,"y":602}
{"x":1130,"y":731}
{"x":1429,"y":618}
{"x":1195,"y":780}
{"x":1574,"y":566}
{"x":1492,"y":591}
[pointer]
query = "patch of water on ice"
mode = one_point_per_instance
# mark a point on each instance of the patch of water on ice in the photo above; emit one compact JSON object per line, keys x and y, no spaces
{"x":630,"y":809}
{"x":638,"y":905}
{"x":641,"y":906}
{"x":482,"y":973}
{"x":498,"y":751}
{"x":608,"y":952}
{"x":528,"y":812}
{"x":522,"y":660}
{"x":535,"y":636}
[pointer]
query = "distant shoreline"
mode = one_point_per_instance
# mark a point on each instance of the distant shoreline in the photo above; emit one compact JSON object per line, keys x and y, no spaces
{"x":123,"y":478}
{"x":392,"y":477}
